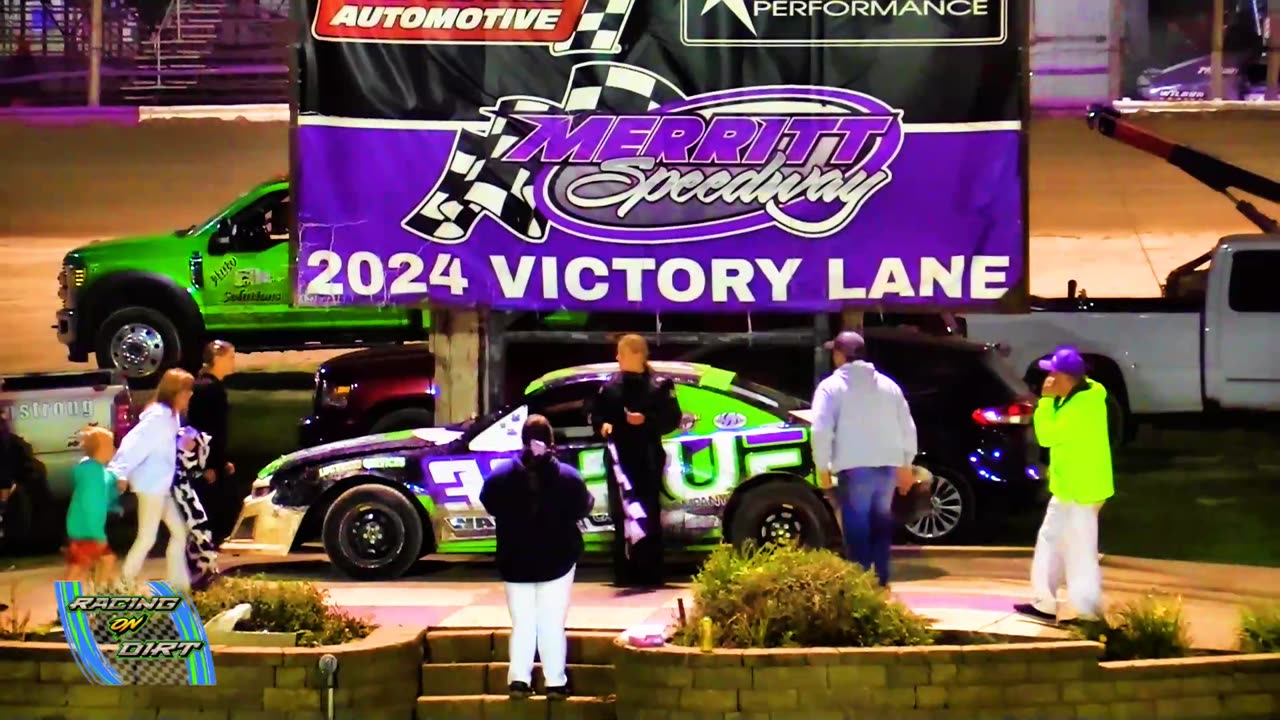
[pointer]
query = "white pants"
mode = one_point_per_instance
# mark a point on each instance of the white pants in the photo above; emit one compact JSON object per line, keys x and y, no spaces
{"x":1067,"y":550}
{"x":538,"y":614}
{"x":152,"y":509}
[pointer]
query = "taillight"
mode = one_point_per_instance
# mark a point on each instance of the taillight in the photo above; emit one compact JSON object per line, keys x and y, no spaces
{"x":1016,"y":414}
{"x":122,"y":415}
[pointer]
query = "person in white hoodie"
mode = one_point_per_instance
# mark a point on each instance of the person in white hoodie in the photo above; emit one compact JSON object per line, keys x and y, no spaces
{"x":148,"y":458}
{"x":864,"y":435}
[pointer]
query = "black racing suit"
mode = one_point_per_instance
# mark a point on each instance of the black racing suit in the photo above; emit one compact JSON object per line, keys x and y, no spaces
{"x":210,"y":413}
{"x":643,"y":459}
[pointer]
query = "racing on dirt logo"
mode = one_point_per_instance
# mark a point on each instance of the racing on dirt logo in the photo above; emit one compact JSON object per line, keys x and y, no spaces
{"x":625,"y":157}
{"x":807,"y":23}
{"x":154,"y":638}
{"x":564,"y":26}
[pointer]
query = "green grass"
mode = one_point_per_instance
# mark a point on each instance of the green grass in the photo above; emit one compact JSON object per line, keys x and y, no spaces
{"x":264,"y":426}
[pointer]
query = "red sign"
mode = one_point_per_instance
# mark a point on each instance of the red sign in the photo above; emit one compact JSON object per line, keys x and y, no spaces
{"x":488,"y":22}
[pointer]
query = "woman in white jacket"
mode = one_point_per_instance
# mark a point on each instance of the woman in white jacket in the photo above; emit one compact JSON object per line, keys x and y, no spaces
{"x":148,"y":459}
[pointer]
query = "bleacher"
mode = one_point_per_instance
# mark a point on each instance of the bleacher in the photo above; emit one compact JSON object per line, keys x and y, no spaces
{"x":197,"y":52}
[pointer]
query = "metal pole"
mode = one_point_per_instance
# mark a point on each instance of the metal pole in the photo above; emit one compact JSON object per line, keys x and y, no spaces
{"x":1115,"y":47}
{"x":95,"y":53}
{"x":1273,"y":50}
{"x":1215,"y":58}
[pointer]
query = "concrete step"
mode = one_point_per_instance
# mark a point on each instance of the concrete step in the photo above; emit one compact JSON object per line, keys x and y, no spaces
{"x":488,"y":646}
{"x":500,"y":707}
{"x":491,"y":679}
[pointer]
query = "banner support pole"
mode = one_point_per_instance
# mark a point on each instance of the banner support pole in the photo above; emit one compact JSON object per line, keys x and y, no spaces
{"x":1273,"y":51}
{"x":1215,"y":57}
{"x":95,"y":54}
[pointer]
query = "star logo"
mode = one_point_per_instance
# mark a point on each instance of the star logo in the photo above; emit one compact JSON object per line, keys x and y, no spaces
{"x":737,"y":7}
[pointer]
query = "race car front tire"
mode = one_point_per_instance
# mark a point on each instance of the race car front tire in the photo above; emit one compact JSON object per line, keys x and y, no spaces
{"x":782,"y":511}
{"x":372,"y":532}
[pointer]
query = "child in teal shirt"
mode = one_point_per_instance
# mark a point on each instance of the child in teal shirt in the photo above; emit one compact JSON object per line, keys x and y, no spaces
{"x":95,"y":491}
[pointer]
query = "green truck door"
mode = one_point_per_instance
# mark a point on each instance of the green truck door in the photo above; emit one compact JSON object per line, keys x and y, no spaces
{"x":246,"y":277}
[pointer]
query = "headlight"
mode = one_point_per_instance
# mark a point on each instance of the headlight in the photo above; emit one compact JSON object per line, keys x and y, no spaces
{"x":70,"y":279}
{"x":335,"y":395}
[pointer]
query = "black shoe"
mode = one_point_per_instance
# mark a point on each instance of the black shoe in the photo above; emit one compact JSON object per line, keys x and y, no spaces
{"x":558,"y":693}
{"x":519,"y":691}
{"x":1030,"y":611}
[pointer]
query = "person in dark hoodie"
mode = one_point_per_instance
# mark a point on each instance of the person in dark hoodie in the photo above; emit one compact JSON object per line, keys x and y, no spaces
{"x":537,"y":502}
{"x":633,"y":412}
{"x":210,"y":413}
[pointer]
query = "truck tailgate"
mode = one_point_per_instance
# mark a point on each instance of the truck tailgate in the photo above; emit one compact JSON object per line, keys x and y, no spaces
{"x":49,"y":413}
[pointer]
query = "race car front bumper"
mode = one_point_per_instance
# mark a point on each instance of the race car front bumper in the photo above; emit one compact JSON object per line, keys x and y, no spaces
{"x":264,"y":528}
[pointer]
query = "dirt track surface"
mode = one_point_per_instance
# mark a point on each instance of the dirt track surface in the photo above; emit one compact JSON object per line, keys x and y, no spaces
{"x":1104,"y":214}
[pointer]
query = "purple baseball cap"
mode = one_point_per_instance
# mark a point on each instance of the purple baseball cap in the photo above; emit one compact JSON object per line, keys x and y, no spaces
{"x":1066,"y":360}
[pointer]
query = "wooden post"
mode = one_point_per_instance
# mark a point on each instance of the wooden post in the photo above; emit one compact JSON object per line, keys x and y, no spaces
{"x":1115,"y":50}
{"x":1215,"y":57}
{"x":1273,"y":50}
{"x":95,"y":53}
{"x":851,"y":319}
{"x":455,"y":341}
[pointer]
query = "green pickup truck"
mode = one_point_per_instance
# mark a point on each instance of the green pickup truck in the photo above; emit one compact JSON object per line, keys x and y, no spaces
{"x":142,"y":305}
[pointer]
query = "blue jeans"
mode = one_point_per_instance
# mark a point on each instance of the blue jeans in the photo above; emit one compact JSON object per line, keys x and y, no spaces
{"x":866,"y":509}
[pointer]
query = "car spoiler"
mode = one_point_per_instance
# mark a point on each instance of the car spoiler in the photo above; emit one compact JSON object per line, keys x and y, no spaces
{"x":1217,"y":174}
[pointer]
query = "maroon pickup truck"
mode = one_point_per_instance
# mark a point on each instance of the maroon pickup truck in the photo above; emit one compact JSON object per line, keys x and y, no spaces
{"x":392,"y":388}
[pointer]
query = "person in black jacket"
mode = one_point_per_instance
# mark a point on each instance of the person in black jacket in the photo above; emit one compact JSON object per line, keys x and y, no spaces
{"x":633,"y":411}
{"x":537,"y":502}
{"x":210,"y":413}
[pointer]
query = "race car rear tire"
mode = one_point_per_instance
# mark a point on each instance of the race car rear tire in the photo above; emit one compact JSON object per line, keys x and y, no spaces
{"x":782,"y":510}
{"x":151,"y":340}
{"x":372,"y":532}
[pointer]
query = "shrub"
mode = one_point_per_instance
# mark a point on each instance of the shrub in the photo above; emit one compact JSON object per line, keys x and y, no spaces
{"x":15,"y":621}
{"x":283,"y":606}
{"x":786,"y":596}
{"x":1260,"y":629}
{"x":1149,"y":628}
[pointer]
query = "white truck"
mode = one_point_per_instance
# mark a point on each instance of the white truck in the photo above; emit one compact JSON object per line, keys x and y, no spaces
{"x":41,"y":416}
{"x":1210,"y":344}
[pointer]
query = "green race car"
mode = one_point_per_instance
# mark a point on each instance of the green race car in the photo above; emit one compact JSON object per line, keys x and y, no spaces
{"x":740,"y":468}
{"x":145,"y":304}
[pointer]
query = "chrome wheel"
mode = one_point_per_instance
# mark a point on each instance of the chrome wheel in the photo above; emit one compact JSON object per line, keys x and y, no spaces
{"x":945,"y":513}
{"x":137,"y":349}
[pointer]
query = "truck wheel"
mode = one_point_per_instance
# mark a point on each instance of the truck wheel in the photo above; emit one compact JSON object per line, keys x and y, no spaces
{"x":371,"y":532}
{"x":782,"y":512}
{"x":403,"y":419}
{"x":140,"y":342}
{"x":953,"y":514}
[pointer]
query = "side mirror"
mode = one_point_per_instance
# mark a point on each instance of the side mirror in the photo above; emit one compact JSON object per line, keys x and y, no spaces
{"x":220,"y":241}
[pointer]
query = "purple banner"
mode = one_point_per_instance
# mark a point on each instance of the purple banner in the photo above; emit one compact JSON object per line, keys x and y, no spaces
{"x":626,"y":194}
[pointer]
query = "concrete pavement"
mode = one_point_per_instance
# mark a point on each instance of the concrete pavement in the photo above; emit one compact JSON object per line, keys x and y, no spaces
{"x":960,"y":589}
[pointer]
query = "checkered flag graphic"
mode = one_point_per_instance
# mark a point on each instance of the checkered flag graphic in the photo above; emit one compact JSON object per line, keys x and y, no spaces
{"x":599,"y":29}
{"x":160,"y":628}
{"x":478,"y":182}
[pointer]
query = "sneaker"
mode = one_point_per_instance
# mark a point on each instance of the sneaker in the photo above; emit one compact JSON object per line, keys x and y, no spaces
{"x":519,"y":691}
{"x":558,"y":693}
{"x":1033,"y":612}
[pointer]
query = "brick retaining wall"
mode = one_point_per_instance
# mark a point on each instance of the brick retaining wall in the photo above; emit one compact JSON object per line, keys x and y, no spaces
{"x":378,"y":679}
{"x":1032,"y":680}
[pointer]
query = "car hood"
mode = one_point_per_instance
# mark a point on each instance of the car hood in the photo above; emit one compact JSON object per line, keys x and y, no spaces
{"x":118,"y":245}
{"x":415,"y":359}
{"x":402,"y":441}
